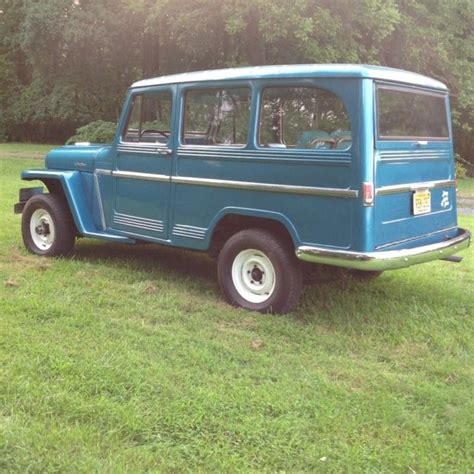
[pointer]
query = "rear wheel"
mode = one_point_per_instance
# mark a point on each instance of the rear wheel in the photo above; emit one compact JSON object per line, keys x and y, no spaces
{"x":47,"y":226}
{"x":258,"y":271}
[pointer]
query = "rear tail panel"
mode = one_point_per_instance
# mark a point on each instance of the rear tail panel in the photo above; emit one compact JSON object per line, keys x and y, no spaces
{"x":416,"y":195}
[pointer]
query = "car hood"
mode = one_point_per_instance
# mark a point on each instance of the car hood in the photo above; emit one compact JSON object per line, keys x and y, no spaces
{"x":75,"y":157}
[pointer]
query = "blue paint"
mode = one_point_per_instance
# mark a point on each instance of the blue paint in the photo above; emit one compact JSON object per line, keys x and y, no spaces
{"x":109,"y":200}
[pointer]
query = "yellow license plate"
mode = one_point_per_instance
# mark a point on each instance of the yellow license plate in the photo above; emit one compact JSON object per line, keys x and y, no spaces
{"x":421,"y":202}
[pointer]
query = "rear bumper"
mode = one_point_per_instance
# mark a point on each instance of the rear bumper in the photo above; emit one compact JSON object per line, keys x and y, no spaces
{"x":388,"y":259}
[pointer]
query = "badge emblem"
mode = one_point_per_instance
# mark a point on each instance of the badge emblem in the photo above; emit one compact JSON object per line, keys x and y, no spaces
{"x":445,"y":199}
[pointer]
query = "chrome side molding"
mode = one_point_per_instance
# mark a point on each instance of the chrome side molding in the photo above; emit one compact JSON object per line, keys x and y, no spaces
{"x":404,"y":188}
{"x":224,"y":183}
{"x":279,"y":188}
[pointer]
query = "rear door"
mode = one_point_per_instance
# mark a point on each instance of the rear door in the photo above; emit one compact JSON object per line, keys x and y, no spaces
{"x":415,"y":194}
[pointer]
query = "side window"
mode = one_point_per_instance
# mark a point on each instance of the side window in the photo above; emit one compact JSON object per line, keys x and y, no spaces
{"x":217,"y":117}
{"x":303,"y":117}
{"x":149,"y":120}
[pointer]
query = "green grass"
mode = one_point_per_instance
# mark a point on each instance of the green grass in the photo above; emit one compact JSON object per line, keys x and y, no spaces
{"x":127,"y":359}
{"x":25,"y":149}
{"x":466,"y":187}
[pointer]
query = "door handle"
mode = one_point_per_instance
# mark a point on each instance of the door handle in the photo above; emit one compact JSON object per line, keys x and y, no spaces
{"x":164,"y":151}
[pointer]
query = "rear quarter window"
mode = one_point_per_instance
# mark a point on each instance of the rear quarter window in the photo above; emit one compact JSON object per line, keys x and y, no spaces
{"x":303,"y":117}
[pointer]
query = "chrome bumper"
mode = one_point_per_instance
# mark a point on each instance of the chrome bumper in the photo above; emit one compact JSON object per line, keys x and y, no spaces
{"x":388,"y":259}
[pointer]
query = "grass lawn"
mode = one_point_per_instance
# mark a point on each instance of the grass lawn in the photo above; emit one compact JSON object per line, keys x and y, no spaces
{"x":25,"y":150}
{"x":127,"y":359}
{"x":466,"y":188}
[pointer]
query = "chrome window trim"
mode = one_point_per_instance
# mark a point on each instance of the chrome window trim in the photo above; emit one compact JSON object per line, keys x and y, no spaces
{"x":154,"y":149}
{"x":248,"y":153}
{"x":403,"y":188}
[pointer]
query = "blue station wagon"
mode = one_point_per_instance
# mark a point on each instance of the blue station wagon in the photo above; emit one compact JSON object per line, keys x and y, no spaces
{"x":264,"y":167}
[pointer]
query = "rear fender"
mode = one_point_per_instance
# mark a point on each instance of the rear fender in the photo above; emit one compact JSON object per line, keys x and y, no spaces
{"x":257,"y":214}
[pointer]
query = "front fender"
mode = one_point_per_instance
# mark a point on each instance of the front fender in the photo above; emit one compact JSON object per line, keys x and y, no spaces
{"x":73,"y":188}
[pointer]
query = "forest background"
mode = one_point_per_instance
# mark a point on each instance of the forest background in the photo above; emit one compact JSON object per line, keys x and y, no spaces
{"x":65,"y":63}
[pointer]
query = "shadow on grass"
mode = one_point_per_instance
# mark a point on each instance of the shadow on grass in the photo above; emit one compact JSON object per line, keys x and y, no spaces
{"x":156,"y":259}
{"x":150,"y":260}
{"x":331,"y":299}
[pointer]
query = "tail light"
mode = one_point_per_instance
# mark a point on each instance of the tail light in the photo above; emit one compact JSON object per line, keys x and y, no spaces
{"x":368,"y":194}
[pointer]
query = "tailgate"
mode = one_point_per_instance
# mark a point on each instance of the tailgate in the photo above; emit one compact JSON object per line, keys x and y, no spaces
{"x":414,"y":174}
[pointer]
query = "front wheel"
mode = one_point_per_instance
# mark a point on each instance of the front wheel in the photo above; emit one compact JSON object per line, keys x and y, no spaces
{"x":47,"y":226}
{"x":257,"y":271}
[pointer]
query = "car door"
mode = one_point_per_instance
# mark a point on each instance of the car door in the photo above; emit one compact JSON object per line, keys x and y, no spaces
{"x":143,"y":165}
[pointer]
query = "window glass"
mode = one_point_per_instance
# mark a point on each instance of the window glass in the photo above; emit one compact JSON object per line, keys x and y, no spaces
{"x":406,"y":114}
{"x":217,"y":117}
{"x":149,"y":120}
{"x":303,"y":117}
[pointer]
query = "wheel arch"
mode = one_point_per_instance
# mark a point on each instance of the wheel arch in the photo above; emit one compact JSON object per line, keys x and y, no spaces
{"x":69,"y":186}
{"x":231,"y":220}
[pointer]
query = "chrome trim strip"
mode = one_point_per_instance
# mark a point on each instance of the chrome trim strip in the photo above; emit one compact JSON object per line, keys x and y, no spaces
{"x":191,"y":227}
{"x":120,"y":214}
{"x":388,"y":259}
{"x":411,"y":239}
{"x":145,"y":176}
{"x":99,"y":201}
{"x":287,"y":152}
{"x":403,"y":188}
{"x":189,"y":231}
{"x":280,"y":188}
{"x":189,"y":236}
{"x":265,"y":156}
{"x":247,"y":185}
{"x":139,"y":226}
{"x":413,"y":155}
{"x":103,"y":172}
{"x":143,"y":223}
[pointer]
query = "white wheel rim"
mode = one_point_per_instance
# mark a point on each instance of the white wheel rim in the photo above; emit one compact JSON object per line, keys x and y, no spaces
{"x":253,"y":276}
{"x":42,"y":229}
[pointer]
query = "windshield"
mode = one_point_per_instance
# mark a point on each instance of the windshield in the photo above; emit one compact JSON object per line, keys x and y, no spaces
{"x":405,"y":114}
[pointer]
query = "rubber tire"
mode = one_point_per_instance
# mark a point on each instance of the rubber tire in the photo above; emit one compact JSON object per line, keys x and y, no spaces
{"x":63,"y":223}
{"x":288,"y":275}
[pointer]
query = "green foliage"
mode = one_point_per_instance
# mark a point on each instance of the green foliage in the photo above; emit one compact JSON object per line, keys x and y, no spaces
{"x":65,"y":63}
{"x":94,"y":132}
{"x":461,"y":170}
{"x":125,"y":359}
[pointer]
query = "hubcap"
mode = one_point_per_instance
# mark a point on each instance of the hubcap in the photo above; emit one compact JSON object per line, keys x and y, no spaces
{"x":42,"y":229}
{"x":253,"y":276}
